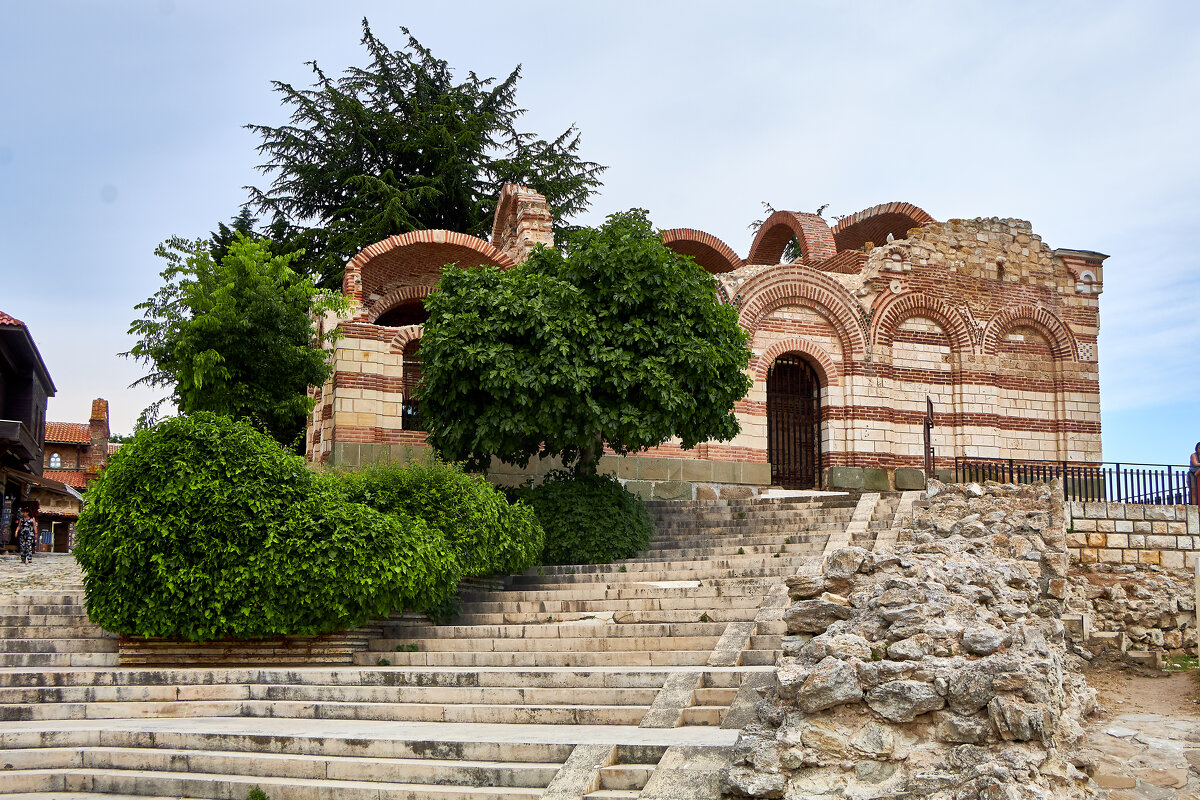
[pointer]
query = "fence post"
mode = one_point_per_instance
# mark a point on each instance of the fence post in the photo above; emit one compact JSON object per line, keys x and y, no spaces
{"x":1066,"y":492}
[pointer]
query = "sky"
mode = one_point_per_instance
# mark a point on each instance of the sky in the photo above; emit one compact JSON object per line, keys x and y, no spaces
{"x":121,"y":124}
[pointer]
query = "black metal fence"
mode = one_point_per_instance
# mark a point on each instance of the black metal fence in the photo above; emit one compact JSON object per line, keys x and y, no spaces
{"x":1154,"y":484}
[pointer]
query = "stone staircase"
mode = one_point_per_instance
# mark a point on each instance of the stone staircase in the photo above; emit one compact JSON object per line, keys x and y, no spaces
{"x":622,"y":680}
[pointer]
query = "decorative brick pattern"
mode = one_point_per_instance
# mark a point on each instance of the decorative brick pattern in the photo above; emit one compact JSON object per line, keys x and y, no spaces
{"x":875,"y":224}
{"x":707,"y":250}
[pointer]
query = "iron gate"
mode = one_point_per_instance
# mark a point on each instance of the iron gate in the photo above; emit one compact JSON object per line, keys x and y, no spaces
{"x":794,"y":423}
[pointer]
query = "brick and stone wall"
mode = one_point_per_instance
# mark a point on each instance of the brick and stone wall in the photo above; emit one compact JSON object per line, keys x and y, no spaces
{"x":1127,"y":533}
{"x":980,"y":316}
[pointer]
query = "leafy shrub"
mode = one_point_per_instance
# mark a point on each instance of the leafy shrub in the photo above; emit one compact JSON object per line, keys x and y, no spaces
{"x":257,"y":794}
{"x":202,"y":528}
{"x":489,"y":536}
{"x":588,"y":519}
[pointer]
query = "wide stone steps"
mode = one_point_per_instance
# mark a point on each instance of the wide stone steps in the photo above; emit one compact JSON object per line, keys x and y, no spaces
{"x":713,"y":614}
{"x":485,"y":644}
{"x":701,"y":603}
{"x":573,"y":631}
{"x":535,"y":658}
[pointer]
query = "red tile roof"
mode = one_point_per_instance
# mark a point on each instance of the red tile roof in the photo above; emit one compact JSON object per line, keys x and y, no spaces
{"x":72,"y":432}
{"x":5,"y":319}
{"x":77,"y":480}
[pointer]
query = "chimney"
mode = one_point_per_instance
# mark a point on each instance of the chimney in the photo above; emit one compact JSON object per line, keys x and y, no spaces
{"x":98,"y":432}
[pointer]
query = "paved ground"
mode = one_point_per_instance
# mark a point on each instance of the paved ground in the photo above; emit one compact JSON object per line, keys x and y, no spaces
{"x":1147,"y":738}
{"x":48,"y":571}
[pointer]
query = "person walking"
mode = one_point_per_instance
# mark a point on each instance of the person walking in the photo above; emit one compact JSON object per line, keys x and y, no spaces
{"x":26,"y":535}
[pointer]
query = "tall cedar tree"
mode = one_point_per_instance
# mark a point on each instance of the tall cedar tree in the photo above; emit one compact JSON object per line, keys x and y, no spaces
{"x":234,"y":336}
{"x":400,"y":146}
{"x":619,"y":342}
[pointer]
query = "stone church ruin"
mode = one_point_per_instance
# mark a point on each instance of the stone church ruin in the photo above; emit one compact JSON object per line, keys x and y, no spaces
{"x":881,"y":313}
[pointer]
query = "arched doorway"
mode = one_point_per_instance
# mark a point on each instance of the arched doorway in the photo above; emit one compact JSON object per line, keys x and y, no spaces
{"x":794,"y":423}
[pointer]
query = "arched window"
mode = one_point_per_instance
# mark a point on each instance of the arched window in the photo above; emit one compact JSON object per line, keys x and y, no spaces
{"x":410,"y":411}
{"x":55,"y":461}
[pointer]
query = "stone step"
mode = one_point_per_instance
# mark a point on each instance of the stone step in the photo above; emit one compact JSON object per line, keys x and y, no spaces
{"x":627,"y":777}
{"x":46,"y":620}
{"x":590,"y":589}
{"x":89,"y":644}
{"x":701,"y":603}
{"x":37,"y":609}
{"x":8,"y":660}
{"x":679,"y":567}
{"x":227,"y":787}
{"x":626,"y":658}
{"x":33,"y":630}
{"x":591,"y":644}
{"x":716,"y":614}
{"x":392,"y":770}
{"x":459,"y":695}
{"x":760,"y":658}
{"x":466,"y":713}
{"x":120,"y":710}
{"x":10,"y":695}
{"x":548,"y":631}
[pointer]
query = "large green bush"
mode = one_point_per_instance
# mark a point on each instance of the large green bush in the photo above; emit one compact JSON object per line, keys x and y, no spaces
{"x":489,"y":536}
{"x":588,"y":519}
{"x":203,"y":528}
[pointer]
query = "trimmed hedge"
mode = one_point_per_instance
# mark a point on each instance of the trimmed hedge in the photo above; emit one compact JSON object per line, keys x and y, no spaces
{"x":489,"y":536}
{"x":588,"y":519}
{"x":203,"y":528}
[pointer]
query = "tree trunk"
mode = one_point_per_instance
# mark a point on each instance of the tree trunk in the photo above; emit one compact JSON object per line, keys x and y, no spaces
{"x":589,"y":457}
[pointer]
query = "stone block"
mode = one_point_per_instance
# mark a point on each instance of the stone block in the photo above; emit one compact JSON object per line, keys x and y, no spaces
{"x":1095,"y":510}
{"x":876,"y":480}
{"x":1075,"y":509}
{"x":726,"y":472}
{"x":944,"y":475}
{"x":1118,"y":540}
{"x":1134,"y":512}
{"x":1088,"y":555}
{"x":1172,"y":560}
{"x":1085,"y":525}
{"x":704,"y":492}
{"x":1158,"y":527}
{"x":1124,"y":526}
{"x":1157,"y":513}
{"x":1129,"y":556}
{"x":736,"y":492}
{"x":1142,"y":527}
{"x":1108,"y":556}
{"x":1192,"y":520}
{"x":1106,"y":525}
{"x":1149,"y":556}
{"x":1160,"y":542}
{"x":845,"y":478}
{"x":627,"y":467}
{"x":696,"y":470}
{"x":909,"y":479}
{"x":1096,"y":540}
{"x":1076,"y":539}
{"x":672,"y":490}
{"x":643,"y":489}
{"x":1177,"y":528}
{"x":756,"y":473}
{"x":652,"y":469}
{"x":1137,"y":541}
{"x":609,"y":465}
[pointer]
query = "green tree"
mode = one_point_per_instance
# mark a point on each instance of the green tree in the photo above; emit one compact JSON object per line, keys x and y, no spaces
{"x":619,"y":342}
{"x":398,"y":146}
{"x":236,"y":336}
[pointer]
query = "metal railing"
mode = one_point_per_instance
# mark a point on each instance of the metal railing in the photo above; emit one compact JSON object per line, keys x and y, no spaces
{"x":1107,"y":481}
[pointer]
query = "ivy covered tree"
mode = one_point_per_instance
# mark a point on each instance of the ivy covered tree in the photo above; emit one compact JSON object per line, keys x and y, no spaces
{"x":234,"y":336}
{"x":615,"y":341}
{"x":400,"y":145}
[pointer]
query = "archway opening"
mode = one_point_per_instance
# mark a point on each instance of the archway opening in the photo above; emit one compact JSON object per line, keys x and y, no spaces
{"x":410,"y":409}
{"x":794,"y":423}
{"x":410,"y":313}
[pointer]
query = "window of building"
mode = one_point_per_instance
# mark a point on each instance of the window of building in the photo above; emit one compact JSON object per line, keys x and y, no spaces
{"x":55,"y":461}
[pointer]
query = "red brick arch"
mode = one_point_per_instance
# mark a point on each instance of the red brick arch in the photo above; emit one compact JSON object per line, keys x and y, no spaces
{"x":875,"y":223}
{"x":803,"y":286}
{"x":1062,"y":343}
{"x":415,"y":258}
{"x":707,"y":250}
{"x":888,"y":318}
{"x":830,"y":375}
{"x":816,"y":240}
{"x":404,"y":336}
{"x":396,"y":297}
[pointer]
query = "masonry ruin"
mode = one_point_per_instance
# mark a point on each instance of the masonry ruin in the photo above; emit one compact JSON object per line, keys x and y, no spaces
{"x":882,"y":312}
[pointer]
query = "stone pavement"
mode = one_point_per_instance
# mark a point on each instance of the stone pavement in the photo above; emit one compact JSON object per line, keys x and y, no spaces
{"x":48,"y":571}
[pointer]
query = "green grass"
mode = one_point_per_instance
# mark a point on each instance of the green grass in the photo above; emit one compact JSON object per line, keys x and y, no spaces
{"x":1182,"y":664}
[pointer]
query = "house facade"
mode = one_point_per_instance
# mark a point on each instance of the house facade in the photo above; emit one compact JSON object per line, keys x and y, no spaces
{"x":883,"y":317}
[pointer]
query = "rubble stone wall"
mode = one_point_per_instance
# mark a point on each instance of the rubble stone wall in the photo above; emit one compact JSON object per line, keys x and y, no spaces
{"x":937,"y":668}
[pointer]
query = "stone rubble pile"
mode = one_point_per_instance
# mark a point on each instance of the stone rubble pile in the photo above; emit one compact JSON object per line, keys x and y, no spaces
{"x":1155,"y":608}
{"x":935,"y":669}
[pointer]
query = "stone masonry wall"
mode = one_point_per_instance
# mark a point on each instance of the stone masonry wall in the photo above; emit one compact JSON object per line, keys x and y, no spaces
{"x":1128,"y":533}
{"x":937,"y":668}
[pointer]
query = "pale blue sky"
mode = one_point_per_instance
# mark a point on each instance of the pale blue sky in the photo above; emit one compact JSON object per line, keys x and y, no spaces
{"x":120,"y":125}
